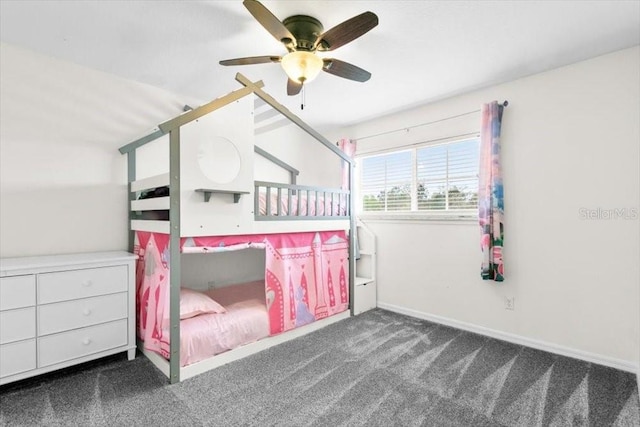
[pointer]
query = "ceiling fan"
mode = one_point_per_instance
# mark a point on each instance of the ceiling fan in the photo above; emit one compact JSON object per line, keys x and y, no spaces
{"x":303,"y":36}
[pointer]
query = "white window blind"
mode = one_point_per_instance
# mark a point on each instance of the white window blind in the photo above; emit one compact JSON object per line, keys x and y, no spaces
{"x":439,"y":178}
{"x":386,"y":182}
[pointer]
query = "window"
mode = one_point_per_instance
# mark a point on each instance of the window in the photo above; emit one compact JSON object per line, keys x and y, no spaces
{"x":440,"y":178}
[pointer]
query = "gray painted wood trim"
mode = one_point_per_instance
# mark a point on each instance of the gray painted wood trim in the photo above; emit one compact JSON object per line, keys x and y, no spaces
{"x":352,"y":239}
{"x":275,"y":160}
{"x":132,"y":146}
{"x":300,"y":218}
{"x":174,"y":255}
{"x":291,"y":189}
{"x":205,"y":109}
{"x":131,"y":176}
{"x":268,"y":184}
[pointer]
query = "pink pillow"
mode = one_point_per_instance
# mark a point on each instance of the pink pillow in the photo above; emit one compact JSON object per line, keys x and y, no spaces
{"x":193,"y":303}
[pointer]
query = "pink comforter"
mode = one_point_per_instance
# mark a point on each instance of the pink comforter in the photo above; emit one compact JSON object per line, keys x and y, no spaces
{"x":245,"y":321}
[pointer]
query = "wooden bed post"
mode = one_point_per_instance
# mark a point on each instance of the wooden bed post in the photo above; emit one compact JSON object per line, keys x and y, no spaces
{"x":174,"y":254}
{"x":131,"y":177}
{"x":352,"y":237}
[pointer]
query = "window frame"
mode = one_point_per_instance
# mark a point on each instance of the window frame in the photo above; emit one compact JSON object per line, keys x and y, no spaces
{"x":414,"y":214}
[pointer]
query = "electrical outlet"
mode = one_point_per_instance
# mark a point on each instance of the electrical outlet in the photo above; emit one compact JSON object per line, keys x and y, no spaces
{"x":509,"y":303}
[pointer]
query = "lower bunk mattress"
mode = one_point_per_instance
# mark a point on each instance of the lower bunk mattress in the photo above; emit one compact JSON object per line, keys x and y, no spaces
{"x":245,"y":321}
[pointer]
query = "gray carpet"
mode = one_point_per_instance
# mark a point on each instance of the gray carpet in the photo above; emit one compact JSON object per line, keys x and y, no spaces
{"x":376,"y":369}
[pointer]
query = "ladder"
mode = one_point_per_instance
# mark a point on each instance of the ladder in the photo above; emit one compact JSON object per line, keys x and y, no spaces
{"x":365,"y":294}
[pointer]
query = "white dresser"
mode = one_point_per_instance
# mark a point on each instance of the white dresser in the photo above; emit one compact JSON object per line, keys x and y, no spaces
{"x":61,"y":310}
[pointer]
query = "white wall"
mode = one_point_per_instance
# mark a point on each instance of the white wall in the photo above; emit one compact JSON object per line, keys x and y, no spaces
{"x":62,"y":179}
{"x":318,"y":166}
{"x":214,"y":270}
{"x":571,"y":141}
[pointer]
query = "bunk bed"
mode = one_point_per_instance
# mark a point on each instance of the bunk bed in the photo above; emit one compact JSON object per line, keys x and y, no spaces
{"x":210,"y":202}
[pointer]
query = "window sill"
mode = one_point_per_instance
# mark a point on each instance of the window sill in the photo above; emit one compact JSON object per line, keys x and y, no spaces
{"x":458,"y":217}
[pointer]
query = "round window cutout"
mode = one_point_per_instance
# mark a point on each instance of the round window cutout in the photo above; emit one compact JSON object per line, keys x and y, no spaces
{"x":219,"y":160}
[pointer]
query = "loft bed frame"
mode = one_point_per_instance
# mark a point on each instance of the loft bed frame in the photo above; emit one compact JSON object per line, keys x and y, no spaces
{"x":341,"y":219}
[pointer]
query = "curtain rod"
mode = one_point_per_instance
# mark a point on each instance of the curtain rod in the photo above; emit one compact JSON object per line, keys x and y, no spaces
{"x":406,"y":129}
{"x":416,"y":144}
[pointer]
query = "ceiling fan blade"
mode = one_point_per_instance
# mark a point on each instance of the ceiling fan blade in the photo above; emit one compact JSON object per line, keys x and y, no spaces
{"x":250,"y":60}
{"x":293,"y":88}
{"x":348,"y":31}
{"x":345,"y":70}
{"x":269,"y":21}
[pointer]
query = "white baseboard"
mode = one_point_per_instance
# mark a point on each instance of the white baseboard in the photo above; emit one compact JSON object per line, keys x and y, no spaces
{"x":623,"y":365}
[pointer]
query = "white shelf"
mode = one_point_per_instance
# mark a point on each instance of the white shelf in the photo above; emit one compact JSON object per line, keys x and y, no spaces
{"x":365,"y":293}
{"x":363,"y":280}
{"x":209,"y":191}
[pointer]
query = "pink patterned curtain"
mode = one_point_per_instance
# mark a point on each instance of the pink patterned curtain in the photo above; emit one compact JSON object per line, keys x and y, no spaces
{"x":491,"y":194}
{"x":152,"y":291}
{"x":306,"y":278}
{"x":349,"y":148}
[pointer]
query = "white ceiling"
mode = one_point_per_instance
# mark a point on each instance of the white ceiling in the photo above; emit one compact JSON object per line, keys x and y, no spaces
{"x":420,"y":52}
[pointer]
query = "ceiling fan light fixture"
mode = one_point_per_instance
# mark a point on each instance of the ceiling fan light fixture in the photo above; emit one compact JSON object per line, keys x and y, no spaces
{"x":302,"y":66}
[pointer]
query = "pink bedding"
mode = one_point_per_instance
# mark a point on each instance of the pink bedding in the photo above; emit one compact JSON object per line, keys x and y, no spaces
{"x":306,"y":279}
{"x":326,"y":207}
{"x":245,"y":321}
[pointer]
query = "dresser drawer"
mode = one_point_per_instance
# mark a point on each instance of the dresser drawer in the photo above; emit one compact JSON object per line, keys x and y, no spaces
{"x":16,"y":325}
{"x":65,"y":346}
{"x":17,"y":292}
{"x":75,"y":284}
{"x":63,"y":316}
{"x":17,"y":357}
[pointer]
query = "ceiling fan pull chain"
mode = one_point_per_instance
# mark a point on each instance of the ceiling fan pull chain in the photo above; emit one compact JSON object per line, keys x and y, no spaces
{"x":303,"y":97}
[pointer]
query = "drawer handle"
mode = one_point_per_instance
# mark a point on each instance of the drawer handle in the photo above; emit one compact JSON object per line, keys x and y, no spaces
{"x":86,"y":311}
{"x":86,"y":341}
{"x":87,"y":283}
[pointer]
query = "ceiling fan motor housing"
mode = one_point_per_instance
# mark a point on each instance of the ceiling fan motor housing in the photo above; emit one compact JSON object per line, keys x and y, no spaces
{"x":302,"y":36}
{"x":305,"y":29}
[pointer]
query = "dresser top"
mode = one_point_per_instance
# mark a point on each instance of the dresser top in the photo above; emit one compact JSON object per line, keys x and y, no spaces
{"x":9,"y":265}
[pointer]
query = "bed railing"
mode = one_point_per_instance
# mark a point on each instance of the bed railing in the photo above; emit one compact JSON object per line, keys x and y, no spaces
{"x":275,"y":201}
